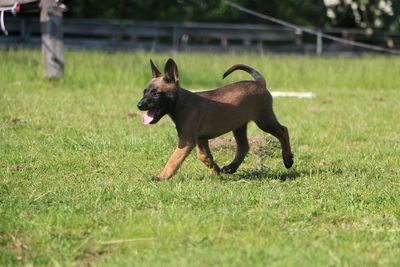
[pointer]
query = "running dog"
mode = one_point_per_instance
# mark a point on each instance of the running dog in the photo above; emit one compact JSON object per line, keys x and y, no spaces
{"x":200,"y":116}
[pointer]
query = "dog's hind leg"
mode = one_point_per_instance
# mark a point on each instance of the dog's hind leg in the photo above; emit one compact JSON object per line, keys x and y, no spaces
{"x":242,"y":143}
{"x":205,"y":156}
{"x":271,"y":125}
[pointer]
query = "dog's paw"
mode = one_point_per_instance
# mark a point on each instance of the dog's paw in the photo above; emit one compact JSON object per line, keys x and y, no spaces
{"x":288,"y":162}
{"x":215,"y":170}
{"x":157,"y":179}
{"x":229,"y":169}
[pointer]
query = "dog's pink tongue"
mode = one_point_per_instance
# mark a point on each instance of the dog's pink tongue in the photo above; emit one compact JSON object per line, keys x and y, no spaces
{"x":148,"y":117}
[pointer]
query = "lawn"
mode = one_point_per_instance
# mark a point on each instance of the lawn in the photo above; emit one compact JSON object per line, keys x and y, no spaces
{"x":75,"y":167}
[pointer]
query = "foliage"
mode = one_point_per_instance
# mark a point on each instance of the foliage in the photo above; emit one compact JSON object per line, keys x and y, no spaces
{"x":367,"y":14}
{"x":75,"y":167}
{"x":306,"y":13}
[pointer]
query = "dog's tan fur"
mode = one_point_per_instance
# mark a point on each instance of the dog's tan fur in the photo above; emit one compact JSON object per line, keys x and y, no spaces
{"x":201,"y":116}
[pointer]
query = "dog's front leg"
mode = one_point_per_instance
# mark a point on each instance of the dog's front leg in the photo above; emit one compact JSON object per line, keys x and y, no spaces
{"x":182,"y":151}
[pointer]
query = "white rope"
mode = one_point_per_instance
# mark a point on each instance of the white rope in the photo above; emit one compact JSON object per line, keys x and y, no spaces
{"x":13,"y":9}
{"x":293,"y":94}
{"x":275,"y":93}
{"x":311,"y":31}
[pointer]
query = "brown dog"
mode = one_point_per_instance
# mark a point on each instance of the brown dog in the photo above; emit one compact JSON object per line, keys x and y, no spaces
{"x":204,"y":115}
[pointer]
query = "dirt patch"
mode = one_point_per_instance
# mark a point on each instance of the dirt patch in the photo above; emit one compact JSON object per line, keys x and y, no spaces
{"x":93,"y":255}
{"x":313,"y":108}
{"x":378,"y":99}
{"x":131,"y":114}
{"x":255,"y":143}
{"x":89,"y":257}
{"x":18,"y":248}
{"x":17,"y":121}
{"x":15,"y":168}
{"x":16,"y":244}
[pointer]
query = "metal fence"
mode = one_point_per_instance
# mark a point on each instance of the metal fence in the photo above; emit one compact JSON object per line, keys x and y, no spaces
{"x":114,"y":35}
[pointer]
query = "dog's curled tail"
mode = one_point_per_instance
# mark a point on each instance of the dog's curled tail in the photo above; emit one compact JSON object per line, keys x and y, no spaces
{"x":256,"y":75}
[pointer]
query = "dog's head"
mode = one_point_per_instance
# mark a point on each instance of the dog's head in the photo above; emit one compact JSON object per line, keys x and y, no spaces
{"x":159,"y":95}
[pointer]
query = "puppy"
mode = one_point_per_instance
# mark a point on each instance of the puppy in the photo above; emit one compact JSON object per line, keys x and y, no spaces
{"x":200,"y":116}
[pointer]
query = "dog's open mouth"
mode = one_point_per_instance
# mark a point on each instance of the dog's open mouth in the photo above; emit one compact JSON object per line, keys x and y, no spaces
{"x":150,"y":116}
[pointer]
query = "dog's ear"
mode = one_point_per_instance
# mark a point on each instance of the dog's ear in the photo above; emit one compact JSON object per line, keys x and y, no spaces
{"x":171,"y":71}
{"x":154,"y":71}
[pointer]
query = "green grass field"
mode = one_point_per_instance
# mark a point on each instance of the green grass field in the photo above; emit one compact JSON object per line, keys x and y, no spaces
{"x":75,"y":167}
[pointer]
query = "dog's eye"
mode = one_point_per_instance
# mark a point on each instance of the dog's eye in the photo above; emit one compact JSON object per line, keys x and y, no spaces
{"x":154,"y":92}
{"x":144,"y":91}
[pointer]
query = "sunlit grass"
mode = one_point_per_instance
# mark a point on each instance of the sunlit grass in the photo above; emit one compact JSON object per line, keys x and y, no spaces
{"x":75,"y":167}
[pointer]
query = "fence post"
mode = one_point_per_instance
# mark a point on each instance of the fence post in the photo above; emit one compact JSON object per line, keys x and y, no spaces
{"x":319,"y":43}
{"x":175,"y":38}
{"x":52,"y":39}
{"x":22,"y":29}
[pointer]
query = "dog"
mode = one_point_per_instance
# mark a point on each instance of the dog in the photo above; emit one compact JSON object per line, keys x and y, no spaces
{"x":204,"y":115}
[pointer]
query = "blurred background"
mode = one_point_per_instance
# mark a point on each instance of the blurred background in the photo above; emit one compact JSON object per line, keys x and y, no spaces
{"x":314,"y":13}
{"x":208,"y":25}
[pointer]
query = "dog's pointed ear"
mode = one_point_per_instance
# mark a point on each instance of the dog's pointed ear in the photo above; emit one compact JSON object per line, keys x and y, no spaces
{"x":154,"y":71}
{"x":171,"y":71}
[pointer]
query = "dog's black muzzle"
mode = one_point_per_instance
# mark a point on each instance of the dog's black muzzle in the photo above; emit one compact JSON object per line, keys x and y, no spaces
{"x":144,"y":105}
{"x":141,"y":106}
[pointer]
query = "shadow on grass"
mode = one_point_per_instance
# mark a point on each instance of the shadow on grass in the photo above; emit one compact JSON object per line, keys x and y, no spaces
{"x":263,"y":174}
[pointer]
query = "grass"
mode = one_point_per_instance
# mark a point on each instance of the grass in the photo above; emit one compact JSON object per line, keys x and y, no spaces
{"x":75,"y":167}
